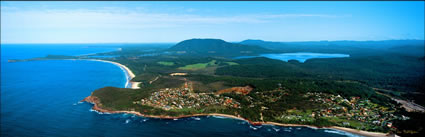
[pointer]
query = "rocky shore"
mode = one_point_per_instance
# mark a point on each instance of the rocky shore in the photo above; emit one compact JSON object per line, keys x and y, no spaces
{"x":96,"y":102}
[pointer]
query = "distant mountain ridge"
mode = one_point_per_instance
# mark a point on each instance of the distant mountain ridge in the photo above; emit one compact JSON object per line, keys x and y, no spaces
{"x":218,"y":47}
{"x":369,"y":44}
{"x":215,"y":47}
{"x":407,"y":47}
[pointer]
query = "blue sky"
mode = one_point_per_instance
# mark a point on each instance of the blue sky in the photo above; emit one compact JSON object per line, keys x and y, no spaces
{"x":144,"y":22}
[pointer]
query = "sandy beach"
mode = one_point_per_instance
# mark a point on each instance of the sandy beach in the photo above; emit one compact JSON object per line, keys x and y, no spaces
{"x":135,"y":85}
{"x":361,"y":132}
{"x":129,"y":74}
{"x":95,"y":101}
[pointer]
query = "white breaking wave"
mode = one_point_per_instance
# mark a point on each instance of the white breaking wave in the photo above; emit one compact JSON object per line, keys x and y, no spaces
{"x":242,"y":123}
{"x":92,"y":110}
{"x":127,"y":83}
{"x":126,"y":73}
{"x":221,"y":117}
{"x":342,"y":133}
{"x":315,"y":128}
{"x":254,"y":128}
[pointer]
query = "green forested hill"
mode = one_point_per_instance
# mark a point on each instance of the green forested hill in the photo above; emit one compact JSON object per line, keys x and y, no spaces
{"x":281,"y":88}
{"x":215,"y":47}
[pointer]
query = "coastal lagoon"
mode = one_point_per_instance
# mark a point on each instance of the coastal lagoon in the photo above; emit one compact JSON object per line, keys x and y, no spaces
{"x":42,"y":98}
{"x":299,"y":56}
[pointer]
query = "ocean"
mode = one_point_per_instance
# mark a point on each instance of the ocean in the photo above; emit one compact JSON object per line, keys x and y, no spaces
{"x":41,"y":98}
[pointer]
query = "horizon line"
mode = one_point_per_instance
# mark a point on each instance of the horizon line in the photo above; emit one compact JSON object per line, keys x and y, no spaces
{"x":212,"y":38}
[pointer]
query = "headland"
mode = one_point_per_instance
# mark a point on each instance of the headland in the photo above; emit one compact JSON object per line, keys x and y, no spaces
{"x":95,"y":101}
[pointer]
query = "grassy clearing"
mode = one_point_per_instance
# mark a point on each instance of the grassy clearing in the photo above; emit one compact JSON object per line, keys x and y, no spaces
{"x":231,"y":63}
{"x":198,"y":65}
{"x":166,"y":63}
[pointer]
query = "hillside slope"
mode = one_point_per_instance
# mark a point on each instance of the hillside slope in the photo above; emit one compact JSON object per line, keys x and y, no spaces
{"x":215,"y":47}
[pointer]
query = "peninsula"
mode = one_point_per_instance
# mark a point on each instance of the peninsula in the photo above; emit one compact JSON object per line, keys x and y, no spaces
{"x":203,"y":77}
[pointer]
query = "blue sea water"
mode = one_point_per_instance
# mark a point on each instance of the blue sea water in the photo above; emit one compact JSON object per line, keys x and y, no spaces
{"x":41,"y":98}
{"x":299,"y":56}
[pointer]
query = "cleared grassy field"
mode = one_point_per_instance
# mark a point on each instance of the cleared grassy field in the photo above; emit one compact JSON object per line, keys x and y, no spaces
{"x":166,"y":63}
{"x":198,"y":65}
{"x":231,"y":63}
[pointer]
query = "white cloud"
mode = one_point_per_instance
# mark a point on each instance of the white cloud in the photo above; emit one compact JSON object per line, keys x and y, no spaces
{"x":111,"y":17}
{"x":112,"y":24}
{"x":302,"y":15}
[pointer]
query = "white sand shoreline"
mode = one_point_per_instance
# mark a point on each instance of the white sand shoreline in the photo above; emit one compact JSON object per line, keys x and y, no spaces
{"x":129,"y":74}
{"x":134,"y":85}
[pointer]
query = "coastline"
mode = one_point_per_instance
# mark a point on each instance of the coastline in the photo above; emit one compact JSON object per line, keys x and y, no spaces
{"x":95,"y":101}
{"x":129,"y":74}
{"x":134,"y":85}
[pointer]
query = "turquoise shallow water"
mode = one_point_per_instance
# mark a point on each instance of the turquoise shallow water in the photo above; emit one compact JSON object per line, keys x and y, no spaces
{"x":40,"y":98}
